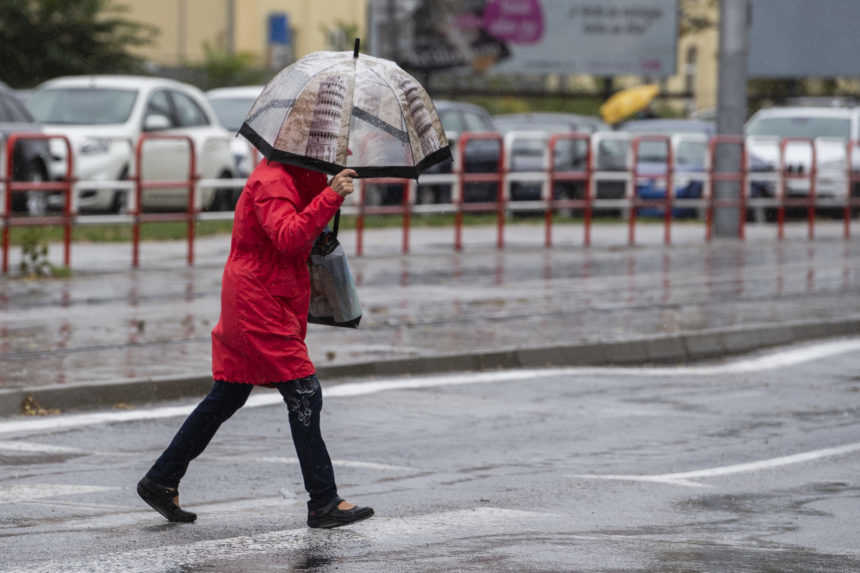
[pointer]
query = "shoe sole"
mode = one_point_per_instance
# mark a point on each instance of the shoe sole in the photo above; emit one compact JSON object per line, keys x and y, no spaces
{"x":145,"y":495}
{"x":331,"y":522}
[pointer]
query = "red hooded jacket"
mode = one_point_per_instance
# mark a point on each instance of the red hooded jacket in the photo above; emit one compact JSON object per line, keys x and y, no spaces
{"x":265,"y":290}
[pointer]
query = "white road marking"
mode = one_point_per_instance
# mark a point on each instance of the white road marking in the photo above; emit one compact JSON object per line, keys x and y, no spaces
{"x":685,"y":478}
{"x":32,"y":447}
{"x":22,"y":493}
{"x":379,"y":531}
{"x":342,"y":463}
{"x":791,"y":356}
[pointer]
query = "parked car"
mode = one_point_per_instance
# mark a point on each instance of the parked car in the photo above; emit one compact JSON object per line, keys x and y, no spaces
{"x":31,"y":157}
{"x":480,"y":156}
{"x":528,"y":153}
{"x":828,"y":127}
{"x":105,"y":116}
{"x":231,"y":105}
{"x":688,"y":139}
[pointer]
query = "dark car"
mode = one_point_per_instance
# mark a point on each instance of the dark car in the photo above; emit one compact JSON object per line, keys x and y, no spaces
{"x":481,"y":156}
{"x":31,"y":158}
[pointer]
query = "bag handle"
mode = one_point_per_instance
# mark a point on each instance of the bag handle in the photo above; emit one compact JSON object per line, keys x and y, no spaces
{"x":336,"y":224}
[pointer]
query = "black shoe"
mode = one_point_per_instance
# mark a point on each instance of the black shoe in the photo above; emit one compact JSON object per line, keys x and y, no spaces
{"x":160,"y":498}
{"x":330,"y":516}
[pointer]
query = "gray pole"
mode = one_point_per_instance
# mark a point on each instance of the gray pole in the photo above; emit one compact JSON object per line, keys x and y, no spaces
{"x":731,"y":107}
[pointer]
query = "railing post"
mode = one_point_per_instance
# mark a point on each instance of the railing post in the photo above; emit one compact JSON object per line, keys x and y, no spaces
{"x":550,"y":197}
{"x":458,"y":205}
{"x":359,"y":221}
{"x":670,"y":190}
{"x":406,"y":215}
{"x":501,"y":211}
{"x":849,"y":190}
{"x":7,"y":197}
{"x":192,"y":191}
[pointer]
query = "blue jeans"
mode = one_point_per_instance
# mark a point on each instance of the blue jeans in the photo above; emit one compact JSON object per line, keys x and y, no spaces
{"x":303,"y":398}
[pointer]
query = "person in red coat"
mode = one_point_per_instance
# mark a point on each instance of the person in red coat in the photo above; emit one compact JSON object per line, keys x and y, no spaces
{"x":260,"y":336}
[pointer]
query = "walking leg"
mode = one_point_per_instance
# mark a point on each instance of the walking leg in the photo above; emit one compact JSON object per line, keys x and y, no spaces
{"x":199,"y":428}
{"x":304,"y":403}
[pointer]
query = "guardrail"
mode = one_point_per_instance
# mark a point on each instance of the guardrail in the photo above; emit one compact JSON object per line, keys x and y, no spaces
{"x":10,"y":186}
{"x":584,"y":170}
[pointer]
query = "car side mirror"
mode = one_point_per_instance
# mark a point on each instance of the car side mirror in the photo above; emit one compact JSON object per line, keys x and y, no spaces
{"x":156,"y":122}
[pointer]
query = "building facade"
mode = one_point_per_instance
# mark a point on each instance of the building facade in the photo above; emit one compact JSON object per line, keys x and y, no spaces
{"x":268,"y":30}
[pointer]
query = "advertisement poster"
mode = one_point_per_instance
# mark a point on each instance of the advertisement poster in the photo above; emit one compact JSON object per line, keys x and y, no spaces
{"x":597,"y":37}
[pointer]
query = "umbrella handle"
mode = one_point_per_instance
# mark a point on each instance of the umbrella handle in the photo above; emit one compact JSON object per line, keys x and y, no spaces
{"x":355,"y":49}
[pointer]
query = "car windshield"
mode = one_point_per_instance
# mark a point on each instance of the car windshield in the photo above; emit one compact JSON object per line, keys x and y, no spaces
{"x":82,"y":106}
{"x":231,"y":111}
{"x":801,"y":126}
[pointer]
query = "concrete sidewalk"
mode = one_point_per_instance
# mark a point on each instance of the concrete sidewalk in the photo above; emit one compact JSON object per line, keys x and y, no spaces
{"x":108,"y":324}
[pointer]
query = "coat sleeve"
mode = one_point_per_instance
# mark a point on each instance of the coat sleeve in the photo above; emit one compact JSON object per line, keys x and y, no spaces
{"x":290,"y":230}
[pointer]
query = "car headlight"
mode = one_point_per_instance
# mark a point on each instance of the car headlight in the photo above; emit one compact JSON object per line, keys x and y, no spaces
{"x":94,"y":146}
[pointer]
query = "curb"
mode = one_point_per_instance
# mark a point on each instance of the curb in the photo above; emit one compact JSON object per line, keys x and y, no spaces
{"x":686,"y":347}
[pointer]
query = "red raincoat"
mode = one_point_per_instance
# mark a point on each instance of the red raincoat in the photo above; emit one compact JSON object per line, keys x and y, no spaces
{"x":265,"y":291}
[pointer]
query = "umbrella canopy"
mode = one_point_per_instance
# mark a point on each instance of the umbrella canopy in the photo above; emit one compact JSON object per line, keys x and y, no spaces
{"x":335,"y":110}
{"x":627,"y":102}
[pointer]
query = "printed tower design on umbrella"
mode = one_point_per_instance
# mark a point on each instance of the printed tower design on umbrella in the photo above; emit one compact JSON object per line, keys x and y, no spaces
{"x":421,"y":117}
{"x":326,"y":123}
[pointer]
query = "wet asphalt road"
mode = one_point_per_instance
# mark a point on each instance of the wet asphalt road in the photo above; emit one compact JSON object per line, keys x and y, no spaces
{"x":747,"y":466}
{"x":107,"y":323}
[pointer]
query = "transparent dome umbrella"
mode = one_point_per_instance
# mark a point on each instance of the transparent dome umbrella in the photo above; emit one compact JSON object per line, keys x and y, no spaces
{"x":335,"y":110}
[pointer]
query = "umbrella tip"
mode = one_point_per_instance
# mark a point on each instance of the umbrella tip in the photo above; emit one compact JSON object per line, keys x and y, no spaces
{"x":355,"y":49}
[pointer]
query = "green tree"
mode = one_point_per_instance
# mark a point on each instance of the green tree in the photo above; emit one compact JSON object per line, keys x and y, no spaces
{"x":42,"y":39}
{"x":223,"y":69}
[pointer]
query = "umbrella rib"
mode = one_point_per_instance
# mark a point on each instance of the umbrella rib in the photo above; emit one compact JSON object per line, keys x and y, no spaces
{"x":397,"y":98}
{"x":368,"y":117}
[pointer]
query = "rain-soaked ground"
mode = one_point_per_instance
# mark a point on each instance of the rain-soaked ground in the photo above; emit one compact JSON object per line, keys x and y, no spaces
{"x":109,"y":323}
{"x":748,"y":466}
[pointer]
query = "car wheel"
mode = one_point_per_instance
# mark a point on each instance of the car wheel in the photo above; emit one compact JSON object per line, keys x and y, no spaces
{"x":225,"y":199}
{"x":426,"y":195}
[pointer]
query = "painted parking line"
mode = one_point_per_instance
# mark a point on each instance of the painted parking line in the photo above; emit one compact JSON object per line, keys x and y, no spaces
{"x":686,"y":478}
{"x":788,"y":357}
{"x":362,"y":537}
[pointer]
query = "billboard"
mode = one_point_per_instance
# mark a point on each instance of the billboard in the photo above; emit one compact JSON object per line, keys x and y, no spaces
{"x":802,"y":38}
{"x":595,"y":37}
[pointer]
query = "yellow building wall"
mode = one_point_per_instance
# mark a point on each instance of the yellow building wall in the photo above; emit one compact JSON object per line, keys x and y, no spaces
{"x":186,"y":25}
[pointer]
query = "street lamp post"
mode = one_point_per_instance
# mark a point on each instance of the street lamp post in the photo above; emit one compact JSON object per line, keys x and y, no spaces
{"x":731,"y":108}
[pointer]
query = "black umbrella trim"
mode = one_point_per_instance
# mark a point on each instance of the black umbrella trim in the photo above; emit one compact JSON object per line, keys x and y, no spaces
{"x":396,"y":171}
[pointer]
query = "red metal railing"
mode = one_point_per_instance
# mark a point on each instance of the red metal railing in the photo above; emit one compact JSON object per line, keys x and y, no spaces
{"x":850,"y":179}
{"x":404,"y":209}
{"x":785,"y":175}
{"x":487,"y":177}
{"x":668,"y":177}
{"x":45,"y":186}
{"x":584,"y":175}
{"x":714,"y":176}
{"x":190,"y":213}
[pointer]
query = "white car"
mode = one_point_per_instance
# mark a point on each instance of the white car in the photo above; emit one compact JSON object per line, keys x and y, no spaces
{"x":829,"y":129}
{"x":231,"y":105}
{"x":104,"y":117}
